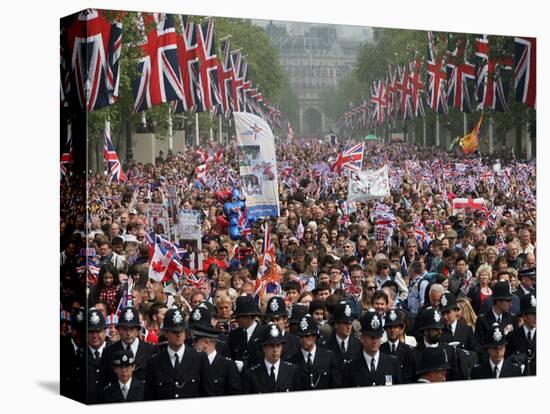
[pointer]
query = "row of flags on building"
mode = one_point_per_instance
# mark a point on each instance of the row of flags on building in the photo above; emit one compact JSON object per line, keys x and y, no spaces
{"x":449,"y":79}
{"x":179,"y":68}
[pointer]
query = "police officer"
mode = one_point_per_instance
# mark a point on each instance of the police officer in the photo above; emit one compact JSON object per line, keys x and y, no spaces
{"x":125,"y":388}
{"x":244,"y":343}
{"x":128,"y":327}
{"x":73,"y":359}
{"x":395,"y":328}
{"x":344,"y":345}
{"x":371,"y":367}
{"x":295,"y":314}
{"x":433,"y":365}
{"x":317,"y":367}
{"x":496,"y":366}
{"x":455,"y":332}
{"x":205,"y":313}
{"x":271,"y":374}
{"x":522,"y":342}
{"x":223,"y":374}
{"x":96,"y":346}
{"x":430,"y":325}
{"x":527,"y":278}
{"x":276,"y":313}
{"x":499,"y":313}
{"x":178,"y":371}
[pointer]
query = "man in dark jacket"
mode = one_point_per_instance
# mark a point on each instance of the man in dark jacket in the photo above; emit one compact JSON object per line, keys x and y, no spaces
{"x":96,"y":346}
{"x":125,"y":389}
{"x":223,"y":374}
{"x":371,"y":367}
{"x":395,"y":326}
{"x":496,"y":366}
{"x":344,"y":345}
{"x":244,"y":343}
{"x":272,"y":374}
{"x":317,"y":367}
{"x":128,"y":327}
{"x":456,"y":332}
{"x":178,"y":371}
{"x":522,"y":342}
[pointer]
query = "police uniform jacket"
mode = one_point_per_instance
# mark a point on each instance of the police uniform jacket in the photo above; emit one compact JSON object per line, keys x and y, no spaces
{"x":484,"y":371}
{"x":73,"y":364}
{"x":357,"y":374}
{"x":323,"y":374}
{"x":485,"y":322}
{"x":354,"y":348}
{"x":256,"y":379}
{"x":249,"y":352}
{"x":519,"y":344}
{"x":407,"y":359}
{"x":463,"y":334}
{"x":224,"y":376}
{"x":112,"y":393}
{"x":144,"y":353}
{"x":190,"y":379}
{"x":96,"y":377}
{"x":290,"y":347}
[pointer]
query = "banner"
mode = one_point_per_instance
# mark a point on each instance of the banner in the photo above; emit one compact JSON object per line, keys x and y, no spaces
{"x":258,"y":165}
{"x":467,"y":205}
{"x":368,"y":185}
{"x":157,"y":219}
{"x":189,"y":236}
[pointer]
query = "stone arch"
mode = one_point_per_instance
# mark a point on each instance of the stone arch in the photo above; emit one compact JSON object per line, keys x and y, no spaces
{"x":312,"y":121}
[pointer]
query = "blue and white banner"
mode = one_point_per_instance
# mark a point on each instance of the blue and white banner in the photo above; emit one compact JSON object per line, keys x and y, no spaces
{"x":258,"y":165}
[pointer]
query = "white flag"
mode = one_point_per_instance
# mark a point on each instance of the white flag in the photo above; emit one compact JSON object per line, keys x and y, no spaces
{"x":369,"y":185}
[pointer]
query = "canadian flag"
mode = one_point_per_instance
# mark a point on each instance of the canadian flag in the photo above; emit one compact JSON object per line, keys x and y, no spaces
{"x":162,"y":266}
{"x":201,"y":172}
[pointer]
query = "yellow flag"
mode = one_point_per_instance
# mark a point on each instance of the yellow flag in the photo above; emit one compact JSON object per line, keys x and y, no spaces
{"x":470,"y":142}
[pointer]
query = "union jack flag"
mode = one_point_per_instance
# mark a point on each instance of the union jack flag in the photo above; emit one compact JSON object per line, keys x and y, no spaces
{"x":417,"y":90}
{"x":406,"y":93}
{"x":525,"y":75}
{"x":459,"y":73}
{"x":114,"y":169}
{"x":245,"y":224}
{"x":393,"y":89}
{"x":159,"y":78}
{"x":351,"y":159}
{"x":67,"y":157}
{"x":187,"y":58}
{"x":377,"y":100}
{"x":208,"y":65}
{"x":492,"y":91}
{"x":225,"y":76}
{"x":436,"y":79}
{"x":93,"y":46}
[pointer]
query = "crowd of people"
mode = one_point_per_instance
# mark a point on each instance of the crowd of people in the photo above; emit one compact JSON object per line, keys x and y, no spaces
{"x":391,"y":291}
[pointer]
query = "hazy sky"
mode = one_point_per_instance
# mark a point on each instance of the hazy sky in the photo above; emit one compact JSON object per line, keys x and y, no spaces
{"x":359,"y":33}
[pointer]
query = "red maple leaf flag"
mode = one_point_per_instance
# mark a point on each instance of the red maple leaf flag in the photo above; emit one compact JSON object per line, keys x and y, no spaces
{"x":159,"y":264}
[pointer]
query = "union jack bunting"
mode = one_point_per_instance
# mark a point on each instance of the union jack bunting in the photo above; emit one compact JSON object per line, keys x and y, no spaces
{"x":237,"y":81}
{"x":417,"y":89}
{"x":67,"y":157}
{"x":393,"y":89}
{"x":114,"y":169}
{"x":208,"y":65}
{"x":93,"y":47}
{"x":225,"y":76}
{"x":158,"y":78}
{"x":405,"y":93}
{"x":187,"y":48}
{"x":436,"y":79}
{"x":492,"y":91}
{"x":460,"y":74}
{"x":525,"y":75}
{"x":377,"y":101}
{"x":351,"y":159}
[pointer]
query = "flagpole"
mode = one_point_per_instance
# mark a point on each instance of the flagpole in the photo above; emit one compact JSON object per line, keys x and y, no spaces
{"x":170,"y":130}
{"x":491,"y":121}
{"x":197,"y":141}
{"x":424,"y":131}
{"x":465,"y":123}
{"x":108,"y":130}
{"x":528,"y":144}
{"x":211,"y":129}
{"x":220,"y":116}
{"x":437,"y":142}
